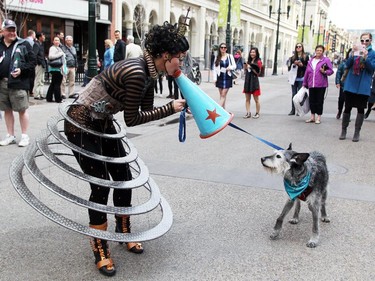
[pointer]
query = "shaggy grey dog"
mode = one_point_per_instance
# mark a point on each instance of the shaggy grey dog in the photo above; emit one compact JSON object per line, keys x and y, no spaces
{"x":305,"y":178}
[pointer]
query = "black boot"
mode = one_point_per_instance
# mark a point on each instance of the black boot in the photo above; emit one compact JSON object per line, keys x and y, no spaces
{"x":123,"y":226}
{"x":358,"y":126}
{"x":102,"y":254}
{"x":344,"y":126}
{"x":367,"y":113}
{"x":292,"y":112}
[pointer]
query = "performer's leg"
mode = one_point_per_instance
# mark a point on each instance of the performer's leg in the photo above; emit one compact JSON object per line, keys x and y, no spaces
{"x":121,"y":197}
{"x":102,"y":254}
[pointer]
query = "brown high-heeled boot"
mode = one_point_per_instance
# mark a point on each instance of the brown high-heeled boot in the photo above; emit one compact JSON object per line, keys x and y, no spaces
{"x":102,"y":254}
{"x":123,"y":226}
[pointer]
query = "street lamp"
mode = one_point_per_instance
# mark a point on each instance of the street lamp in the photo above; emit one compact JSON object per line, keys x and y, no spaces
{"x":321,"y":13}
{"x":304,"y":17}
{"x":228,"y":31}
{"x":92,"y":63}
{"x":274,"y":72}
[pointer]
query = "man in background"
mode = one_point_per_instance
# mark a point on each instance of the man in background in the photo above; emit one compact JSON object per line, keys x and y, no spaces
{"x":72,"y":64}
{"x":120,"y":48}
{"x":18,"y":56}
{"x":40,"y":68}
{"x":132,"y":50}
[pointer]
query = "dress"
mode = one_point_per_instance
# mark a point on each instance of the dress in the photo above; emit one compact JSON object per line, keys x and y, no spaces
{"x":251,"y":85}
{"x":224,"y":80}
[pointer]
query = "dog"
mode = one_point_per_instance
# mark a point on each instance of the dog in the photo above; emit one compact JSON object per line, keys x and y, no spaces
{"x":302,"y":171}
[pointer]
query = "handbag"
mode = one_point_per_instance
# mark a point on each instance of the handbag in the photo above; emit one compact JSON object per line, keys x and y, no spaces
{"x":301,"y":101}
{"x":234,"y":74}
{"x":292,"y":75}
{"x":56,"y":62}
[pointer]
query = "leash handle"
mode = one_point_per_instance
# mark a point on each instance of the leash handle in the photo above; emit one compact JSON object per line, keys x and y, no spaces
{"x":182,"y":126}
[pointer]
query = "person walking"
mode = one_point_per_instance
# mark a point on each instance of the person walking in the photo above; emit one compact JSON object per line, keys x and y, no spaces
{"x":40,"y":68}
{"x":222,"y":74}
{"x":251,"y":87}
{"x":54,"y":89}
{"x":340,"y":77}
{"x":108,"y":54}
{"x":17,"y":56}
{"x":132,"y":50}
{"x":120,"y":48}
{"x":71,"y":64}
{"x":124,"y":86}
{"x":318,"y":69}
{"x":357,"y":85}
{"x":297,"y":64}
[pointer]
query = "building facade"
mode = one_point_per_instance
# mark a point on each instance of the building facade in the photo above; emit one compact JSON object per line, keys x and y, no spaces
{"x":261,"y":21}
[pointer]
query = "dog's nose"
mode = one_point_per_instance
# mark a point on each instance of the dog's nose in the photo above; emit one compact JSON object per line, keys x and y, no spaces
{"x":262,"y":159}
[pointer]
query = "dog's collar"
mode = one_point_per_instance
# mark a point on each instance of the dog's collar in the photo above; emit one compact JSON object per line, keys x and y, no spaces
{"x":295,"y":191}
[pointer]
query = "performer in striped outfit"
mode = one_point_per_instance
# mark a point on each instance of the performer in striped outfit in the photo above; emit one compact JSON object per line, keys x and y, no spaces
{"x":126,"y":86}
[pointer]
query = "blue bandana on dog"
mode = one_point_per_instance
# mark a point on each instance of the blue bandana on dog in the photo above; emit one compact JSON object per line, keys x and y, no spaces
{"x":296,"y":190}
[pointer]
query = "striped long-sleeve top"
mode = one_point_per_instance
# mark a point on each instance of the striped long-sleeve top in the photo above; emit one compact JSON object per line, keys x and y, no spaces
{"x":130,"y":84}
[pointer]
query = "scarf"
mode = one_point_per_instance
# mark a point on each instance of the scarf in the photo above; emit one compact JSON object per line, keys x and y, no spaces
{"x":296,"y":190}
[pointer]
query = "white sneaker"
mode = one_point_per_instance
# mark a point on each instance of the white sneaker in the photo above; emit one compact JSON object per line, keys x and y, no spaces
{"x":8,"y":140}
{"x":25,"y":140}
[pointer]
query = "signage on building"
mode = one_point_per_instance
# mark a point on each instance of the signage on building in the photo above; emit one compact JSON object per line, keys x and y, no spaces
{"x":76,"y":9}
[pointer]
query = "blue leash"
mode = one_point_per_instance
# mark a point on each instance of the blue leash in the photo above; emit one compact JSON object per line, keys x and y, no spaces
{"x":259,"y":138}
{"x":182,"y":132}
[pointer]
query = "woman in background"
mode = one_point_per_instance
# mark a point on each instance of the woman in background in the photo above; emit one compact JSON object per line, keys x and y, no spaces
{"x":222,"y":74}
{"x":316,"y":80}
{"x":57,"y":73}
{"x":299,"y":60}
{"x":251,"y":86}
{"x":108,"y":54}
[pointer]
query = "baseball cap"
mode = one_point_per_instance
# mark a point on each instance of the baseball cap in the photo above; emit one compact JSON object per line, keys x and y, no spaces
{"x":8,"y":24}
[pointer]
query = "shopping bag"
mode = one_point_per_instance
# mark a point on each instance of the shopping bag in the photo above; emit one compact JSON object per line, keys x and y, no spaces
{"x":301,"y":101}
{"x":292,"y":74}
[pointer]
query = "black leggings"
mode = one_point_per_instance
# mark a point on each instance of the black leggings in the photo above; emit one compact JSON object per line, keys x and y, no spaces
{"x":99,"y":169}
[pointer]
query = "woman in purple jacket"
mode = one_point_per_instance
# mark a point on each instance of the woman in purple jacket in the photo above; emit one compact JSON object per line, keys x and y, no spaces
{"x":318,"y":69}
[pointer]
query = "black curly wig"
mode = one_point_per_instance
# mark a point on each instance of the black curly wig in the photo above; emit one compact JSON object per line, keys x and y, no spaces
{"x":165,"y":38}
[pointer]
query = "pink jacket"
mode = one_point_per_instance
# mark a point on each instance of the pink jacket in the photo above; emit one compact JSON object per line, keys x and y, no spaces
{"x":316,"y":79}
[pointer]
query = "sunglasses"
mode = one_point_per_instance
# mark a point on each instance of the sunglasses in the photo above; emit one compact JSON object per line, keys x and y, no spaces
{"x":298,"y":46}
{"x":367,"y":40}
{"x":223,"y":47}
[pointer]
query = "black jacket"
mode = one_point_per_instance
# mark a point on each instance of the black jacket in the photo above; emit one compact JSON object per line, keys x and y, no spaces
{"x":40,"y":57}
{"x":120,"y":50}
{"x":22,"y":50}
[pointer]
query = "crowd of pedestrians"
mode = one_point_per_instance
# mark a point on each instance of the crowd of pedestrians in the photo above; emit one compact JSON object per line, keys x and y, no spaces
{"x":353,"y":78}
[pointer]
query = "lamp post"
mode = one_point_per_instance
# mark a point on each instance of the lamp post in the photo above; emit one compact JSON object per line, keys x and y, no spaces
{"x":274,"y":72}
{"x":321,"y":13}
{"x":228,"y":31}
{"x":92,"y":64}
{"x":304,"y":17}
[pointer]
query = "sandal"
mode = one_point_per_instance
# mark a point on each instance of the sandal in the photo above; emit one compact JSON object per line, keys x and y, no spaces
{"x":310,"y":121}
{"x":135,"y":248}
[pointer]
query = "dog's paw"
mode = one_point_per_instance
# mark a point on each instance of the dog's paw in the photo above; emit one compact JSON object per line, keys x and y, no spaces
{"x":293,"y":221}
{"x":326,"y":219}
{"x":312,"y":244}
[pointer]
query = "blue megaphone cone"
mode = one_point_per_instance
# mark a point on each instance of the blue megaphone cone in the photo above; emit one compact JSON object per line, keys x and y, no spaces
{"x":210,"y":117}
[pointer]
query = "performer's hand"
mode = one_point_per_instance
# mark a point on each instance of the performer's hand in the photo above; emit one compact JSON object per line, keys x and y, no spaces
{"x":178,"y":105}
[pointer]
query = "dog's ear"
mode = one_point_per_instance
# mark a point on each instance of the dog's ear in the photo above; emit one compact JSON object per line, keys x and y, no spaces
{"x":299,"y":158}
{"x":290,"y":146}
